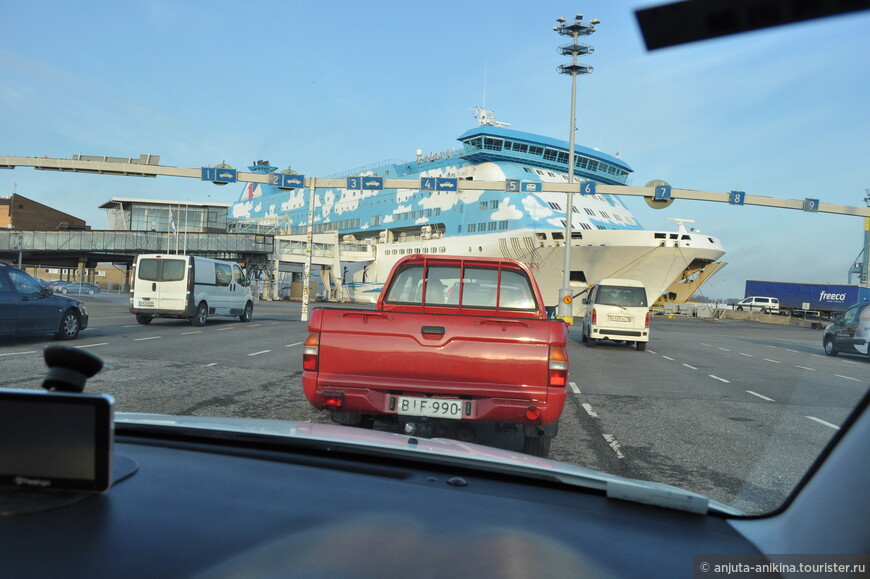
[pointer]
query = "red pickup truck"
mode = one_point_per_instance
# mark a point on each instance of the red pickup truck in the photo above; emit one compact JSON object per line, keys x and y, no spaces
{"x":453,"y":342}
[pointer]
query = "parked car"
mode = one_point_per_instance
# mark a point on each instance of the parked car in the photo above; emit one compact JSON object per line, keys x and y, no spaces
{"x":765,"y":305}
{"x":27,"y":307}
{"x":850,"y":332}
{"x":75,"y":287}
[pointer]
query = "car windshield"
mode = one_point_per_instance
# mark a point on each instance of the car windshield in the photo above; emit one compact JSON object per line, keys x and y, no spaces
{"x":208,"y":135}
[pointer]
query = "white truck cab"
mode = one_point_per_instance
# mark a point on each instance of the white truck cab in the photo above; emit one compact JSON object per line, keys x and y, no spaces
{"x":189,"y":287}
{"x":617,"y":309}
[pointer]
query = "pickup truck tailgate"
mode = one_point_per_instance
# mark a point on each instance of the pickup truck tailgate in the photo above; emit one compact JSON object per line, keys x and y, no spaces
{"x":434,"y":353}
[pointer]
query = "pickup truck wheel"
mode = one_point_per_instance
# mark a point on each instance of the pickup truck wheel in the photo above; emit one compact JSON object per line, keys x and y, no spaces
{"x":641,"y":346}
{"x":201,"y":315}
{"x":830,"y":350}
{"x":144,"y":320}
{"x":537,"y":445}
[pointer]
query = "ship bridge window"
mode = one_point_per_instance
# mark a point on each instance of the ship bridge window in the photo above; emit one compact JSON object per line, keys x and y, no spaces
{"x":659,"y":236}
{"x":492,"y":144}
{"x":686,"y":237}
{"x":593,"y":165}
{"x":673,"y":235}
{"x":475,"y":142}
{"x":562,"y":157}
{"x":534,"y":150}
{"x":558,"y":235}
{"x":520,"y":147}
{"x":550,"y":154}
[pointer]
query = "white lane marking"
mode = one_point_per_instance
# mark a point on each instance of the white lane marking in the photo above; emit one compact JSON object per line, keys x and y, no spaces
{"x":790,"y":350}
{"x":772,"y":361}
{"x":254,"y":325}
{"x":192,"y":332}
{"x":719,"y":379}
{"x":805,"y":368}
{"x":293,"y":344}
{"x":760,"y":396}
{"x":611,"y":441}
{"x":747,"y":355}
{"x":708,"y":345}
{"x":724,"y":349}
{"x":149,"y":338}
{"x":652,"y":352}
{"x":818,"y":356}
{"x":212,"y":364}
{"x":820,"y":421}
{"x":19,"y":353}
{"x":92,"y":345}
{"x":574,"y":388}
{"x":225,"y":329}
{"x":260,"y":352}
{"x":687,"y":366}
{"x":668,"y":358}
{"x":589,"y":411}
{"x":847,"y":378}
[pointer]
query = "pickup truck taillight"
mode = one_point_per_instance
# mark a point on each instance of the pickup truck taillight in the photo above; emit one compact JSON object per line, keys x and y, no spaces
{"x":311,"y":351}
{"x":558,"y":366}
{"x":647,"y":320}
{"x":594,"y":316}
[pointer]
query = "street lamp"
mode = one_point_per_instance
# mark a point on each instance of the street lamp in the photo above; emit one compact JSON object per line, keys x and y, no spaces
{"x":575,"y":30}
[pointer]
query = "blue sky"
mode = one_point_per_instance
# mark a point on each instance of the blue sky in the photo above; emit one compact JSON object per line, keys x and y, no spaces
{"x":324,"y":87}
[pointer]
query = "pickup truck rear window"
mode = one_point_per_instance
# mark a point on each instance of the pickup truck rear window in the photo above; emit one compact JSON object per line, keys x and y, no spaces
{"x":451,"y":286}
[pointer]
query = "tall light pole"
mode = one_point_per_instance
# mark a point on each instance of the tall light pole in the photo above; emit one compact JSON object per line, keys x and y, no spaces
{"x":575,"y":30}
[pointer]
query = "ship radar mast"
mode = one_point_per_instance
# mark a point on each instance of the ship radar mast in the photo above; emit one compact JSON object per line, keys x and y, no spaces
{"x":486,"y":118}
{"x":681,"y":227}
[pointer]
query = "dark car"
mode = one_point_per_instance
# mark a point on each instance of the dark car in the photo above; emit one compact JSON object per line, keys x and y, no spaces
{"x":74,"y":287}
{"x":27,"y":307}
{"x":850,"y":332}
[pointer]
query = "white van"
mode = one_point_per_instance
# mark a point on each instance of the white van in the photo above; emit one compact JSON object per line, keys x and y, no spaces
{"x":186,"y":286}
{"x":758,"y":304}
{"x":617,"y":309}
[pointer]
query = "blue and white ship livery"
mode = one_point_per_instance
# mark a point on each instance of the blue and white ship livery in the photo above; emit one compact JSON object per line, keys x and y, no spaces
{"x":607,"y":241}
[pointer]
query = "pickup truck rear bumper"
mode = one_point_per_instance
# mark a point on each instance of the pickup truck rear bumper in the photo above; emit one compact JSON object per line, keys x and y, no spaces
{"x":374,"y":402}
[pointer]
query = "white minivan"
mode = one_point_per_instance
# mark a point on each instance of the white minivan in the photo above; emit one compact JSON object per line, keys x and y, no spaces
{"x":617,"y":309}
{"x":189,"y":287}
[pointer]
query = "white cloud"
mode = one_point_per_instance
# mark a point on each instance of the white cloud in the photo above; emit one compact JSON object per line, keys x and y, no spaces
{"x":534,"y":208}
{"x":506,"y":211}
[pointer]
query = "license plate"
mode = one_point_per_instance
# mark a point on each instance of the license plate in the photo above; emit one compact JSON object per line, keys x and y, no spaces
{"x":146,"y":303}
{"x":620,"y":318}
{"x":432,"y":407}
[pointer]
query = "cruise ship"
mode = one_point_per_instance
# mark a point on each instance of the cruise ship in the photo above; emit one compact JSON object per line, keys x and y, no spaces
{"x":606,"y":241}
